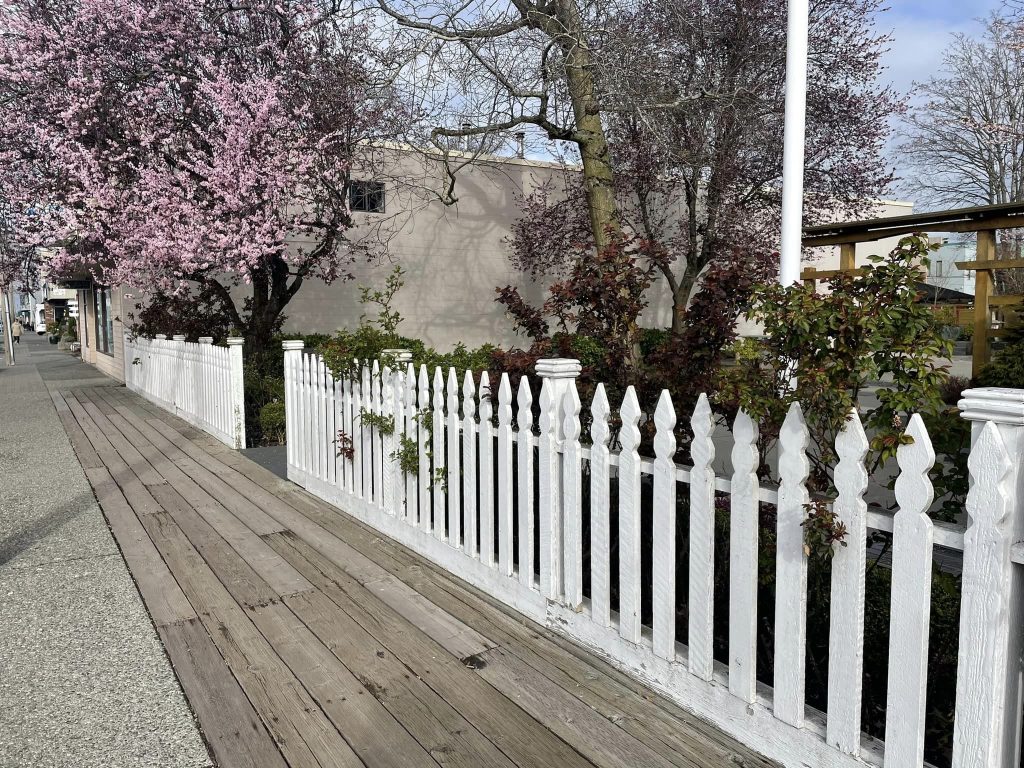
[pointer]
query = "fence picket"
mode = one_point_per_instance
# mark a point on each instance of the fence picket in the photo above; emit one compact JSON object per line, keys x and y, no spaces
{"x":378,"y":438}
{"x":504,"y":496}
{"x":743,"y":558}
{"x":485,"y":453}
{"x":423,"y":437}
{"x":791,"y":569}
{"x":304,"y":441}
{"x":572,"y":498}
{"x":396,"y":452}
{"x":663,"y":596}
{"x":356,"y":436}
{"x":846,"y":622}
{"x":600,"y":518}
{"x":387,"y":410}
{"x":629,"y":519}
{"x":346,"y":479}
{"x":524,"y":480}
{"x":911,"y":601}
{"x":469,"y":465}
{"x":412,"y":437}
{"x":548,"y":496}
{"x":701,"y":628}
{"x":983,"y":663}
{"x":438,"y":478}
{"x":454,"y":463}
{"x":366,"y":435}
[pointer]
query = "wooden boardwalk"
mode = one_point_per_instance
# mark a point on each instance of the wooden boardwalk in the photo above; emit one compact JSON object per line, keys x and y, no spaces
{"x":301,"y":638}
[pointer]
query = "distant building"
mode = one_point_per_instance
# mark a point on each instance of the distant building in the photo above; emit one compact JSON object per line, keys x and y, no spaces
{"x":943,"y":271}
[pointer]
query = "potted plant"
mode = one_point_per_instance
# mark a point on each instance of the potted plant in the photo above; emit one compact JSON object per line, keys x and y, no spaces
{"x":69,"y":336}
{"x":53,"y":331}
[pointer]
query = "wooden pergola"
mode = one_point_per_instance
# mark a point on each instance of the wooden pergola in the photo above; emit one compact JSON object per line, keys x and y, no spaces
{"x":985,"y":220}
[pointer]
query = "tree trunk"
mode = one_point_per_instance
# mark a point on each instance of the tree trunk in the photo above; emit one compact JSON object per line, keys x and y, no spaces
{"x":598,"y":176}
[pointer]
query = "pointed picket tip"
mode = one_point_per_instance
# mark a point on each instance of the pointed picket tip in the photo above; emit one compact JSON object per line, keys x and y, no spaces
{"x":468,"y":384}
{"x":702,"y":413}
{"x":852,"y":443}
{"x":524,"y":399}
{"x":600,"y":405}
{"x":486,"y":406}
{"x":744,"y":428}
{"x":424,"y":379}
{"x":438,"y":379}
{"x":989,"y":464}
{"x":485,"y":385}
{"x":375,"y":368}
{"x":504,"y":390}
{"x":794,"y":427}
{"x":919,"y":455}
{"x":665,"y":412}
{"x":571,"y":413}
{"x":410,"y":371}
{"x":630,"y":410}
{"x":546,"y":395}
{"x":453,"y":381}
{"x":571,"y":401}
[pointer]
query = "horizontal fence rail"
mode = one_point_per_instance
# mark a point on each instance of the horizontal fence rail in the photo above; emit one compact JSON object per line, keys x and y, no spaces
{"x":200,"y":382}
{"x":577,"y":531}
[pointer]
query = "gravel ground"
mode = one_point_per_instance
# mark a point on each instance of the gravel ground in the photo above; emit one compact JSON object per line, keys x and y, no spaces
{"x":84,"y":680}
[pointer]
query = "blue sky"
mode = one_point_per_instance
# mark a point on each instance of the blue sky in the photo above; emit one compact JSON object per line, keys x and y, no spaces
{"x":921,"y":29}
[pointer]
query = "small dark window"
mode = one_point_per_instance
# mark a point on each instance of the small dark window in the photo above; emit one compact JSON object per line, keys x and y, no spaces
{"x":366,"y":196}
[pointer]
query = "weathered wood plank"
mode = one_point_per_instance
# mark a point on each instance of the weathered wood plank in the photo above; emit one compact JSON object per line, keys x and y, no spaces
{"x":519,"y":736}
{"x":563,"y":714}
{"x":374,"y":734}
{"x":449,"y":738}
{"x":86,"y":454}
{"x":163,"y":597}
{"x":299,"y":727}
{"x":622,"y":700}
{"x":232,"y":729}
{"x":272,"y":569}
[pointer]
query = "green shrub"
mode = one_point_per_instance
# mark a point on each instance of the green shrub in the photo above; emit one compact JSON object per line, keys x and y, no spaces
{"x":272,"y":421}
{"x":1007,"y":366}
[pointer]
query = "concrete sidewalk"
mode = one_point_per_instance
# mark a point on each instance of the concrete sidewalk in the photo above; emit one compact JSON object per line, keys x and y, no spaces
{"x":84,"y":680}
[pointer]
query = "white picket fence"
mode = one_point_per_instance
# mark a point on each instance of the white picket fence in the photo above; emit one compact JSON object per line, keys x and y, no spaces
{"x":201,"y":383}
{"x":485,"y":483}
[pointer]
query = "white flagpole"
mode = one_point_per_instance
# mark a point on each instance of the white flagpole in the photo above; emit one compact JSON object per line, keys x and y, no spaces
{"x":793,"y":142}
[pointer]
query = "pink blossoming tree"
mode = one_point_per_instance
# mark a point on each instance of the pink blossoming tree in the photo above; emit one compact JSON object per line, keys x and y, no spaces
{"x":168,"y":143}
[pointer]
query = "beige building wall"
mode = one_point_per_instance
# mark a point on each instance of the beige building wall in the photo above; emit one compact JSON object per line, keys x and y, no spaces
{"x":454,"y":256}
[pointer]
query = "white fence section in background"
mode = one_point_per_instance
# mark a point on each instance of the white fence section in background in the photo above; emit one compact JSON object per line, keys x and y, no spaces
{"x":501,"y":504}
{"x":201,"y":383}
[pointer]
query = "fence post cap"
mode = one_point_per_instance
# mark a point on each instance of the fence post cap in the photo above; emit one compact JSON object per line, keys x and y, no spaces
{"x":206,"y":339}
{"x":558,"y":368}
{"x":178,"y":337}
{"x":234,"y":341}
{"x":398,"y":355}
{"x":160,"y":336}
{"x":288,"y":344}
{"x":999,"y":404}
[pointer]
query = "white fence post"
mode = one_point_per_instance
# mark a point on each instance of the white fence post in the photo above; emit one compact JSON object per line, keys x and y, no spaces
{"x":556,"y":375}
{"x":990,"y":670}
{"x":292,"y":361}
{"x":237,"y":390}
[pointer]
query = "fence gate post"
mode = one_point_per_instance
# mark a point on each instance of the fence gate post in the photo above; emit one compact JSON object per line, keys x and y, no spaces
{"x":561,"y":374}
{"x":237,"y":379}
{"x":178,"y":375}
{"x":990,"y":668}
{"x":292,"y":360}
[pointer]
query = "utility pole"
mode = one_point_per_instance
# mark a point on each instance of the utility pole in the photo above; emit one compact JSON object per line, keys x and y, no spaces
{"x":793,"y":142}
{"x":8,"y":294}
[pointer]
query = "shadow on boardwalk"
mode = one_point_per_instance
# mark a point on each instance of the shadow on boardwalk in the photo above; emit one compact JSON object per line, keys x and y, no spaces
{"x":302,"y":638}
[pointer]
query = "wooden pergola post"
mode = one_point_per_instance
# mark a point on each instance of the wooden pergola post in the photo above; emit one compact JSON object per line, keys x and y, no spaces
{"x":982,"y":295}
